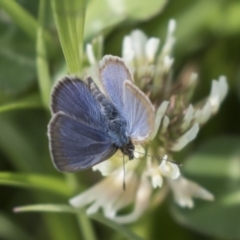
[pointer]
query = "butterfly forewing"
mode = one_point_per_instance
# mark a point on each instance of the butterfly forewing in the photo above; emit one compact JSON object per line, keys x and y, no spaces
{"x":138,"y":111}
{"x":73,"y":97}
{"x":76,"y":146}
{"x":113,"y":72}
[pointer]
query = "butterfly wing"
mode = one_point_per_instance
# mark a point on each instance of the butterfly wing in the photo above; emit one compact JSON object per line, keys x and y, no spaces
{"x":113,"y":72}
{"x":73,"y":97}
{"x":139,"y":112}
{"x":76,"y":146}
{"x":130,"y":101}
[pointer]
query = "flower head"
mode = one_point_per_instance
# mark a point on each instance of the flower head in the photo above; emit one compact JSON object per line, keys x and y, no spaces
{"x":184,"y":190}
{"x":177,"y":123}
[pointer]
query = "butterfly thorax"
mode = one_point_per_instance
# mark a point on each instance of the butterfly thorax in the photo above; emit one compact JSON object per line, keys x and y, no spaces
{"x":117,"y":132}
{"x":106,"y":106}
{"x":117,"y":125}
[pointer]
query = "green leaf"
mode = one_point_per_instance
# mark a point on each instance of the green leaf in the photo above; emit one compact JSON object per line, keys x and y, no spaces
{"x":69,"y":17}
{"x":57,"y":208}
{"x":17,"y":60}
{"x":17,"y":145}
{"x":67,"y":209}
{"x":24,"y":20}
{"x":30,"y":101}
{"x":10,"y":230}
{"x":60,"y":227}
{"x":84,"y":222}
{"x":42,"y":61}
{"x":20,"y":16}
{"x":117,"y":227}
{"x":104,"y":14}
{"x":216,"y":166}
{"x":228,"y":19}
{"x":34,"y":181}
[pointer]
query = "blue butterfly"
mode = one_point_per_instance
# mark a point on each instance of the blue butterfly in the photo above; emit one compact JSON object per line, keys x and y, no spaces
{"x":89,"y":125}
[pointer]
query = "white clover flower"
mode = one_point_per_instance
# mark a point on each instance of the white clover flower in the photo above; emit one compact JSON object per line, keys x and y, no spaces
{"x":169,"y":169}
{"x":90,"y":54}
{"x":141,"y":201}
{"x":158,"y":118}
{"x":156,"y":179}
{"x":165,"y":169}
{"x":116,"y":162}
{"x":177,"y":123}
{"x":108,"y":193}
{"x":186,"y":138}
{"x":187,"y":118}
{"x":218,"y":93}
{"x":184,"y":190}
{"x":110,"y":196}
{"x":137,"y":47}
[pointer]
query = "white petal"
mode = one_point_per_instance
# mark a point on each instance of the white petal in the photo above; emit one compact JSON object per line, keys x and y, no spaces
{"x":139,"y":41}
{"x":193,"y":78}
{"x":111,"y":185}
{"x":197,"y":115}
{"x":90,"y":54}
{"x":88,"y":196}
{"x":214,"y":97}
{"x":151,"y":48}
{"x":127,"y":197}
{"x":223,"y":87}
{"x":127,"y":50}
{"x":106,"y":167}
{"x":185,"y":202}
{"x":139,"y":151}
{"x":165,"y":124}
{"x":187,"y":118}
{"x":167,"y":62}
{"x":186,"y":138}
{"x":141,"y":203}
{"x":184,"y":190}
{"x":158,"y":118}
{"x":170,"y":40}
{"x":172,"y":26}
{"x":169,"y":169}
{"x":218,"y":92}
{"x":157,"y":180}
{"x":94,"y":207}
{"x":205,"y":113}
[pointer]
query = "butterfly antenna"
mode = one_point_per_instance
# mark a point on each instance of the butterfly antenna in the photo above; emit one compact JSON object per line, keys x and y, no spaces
{"x":124,"y":174}
{"x":158,"y":158}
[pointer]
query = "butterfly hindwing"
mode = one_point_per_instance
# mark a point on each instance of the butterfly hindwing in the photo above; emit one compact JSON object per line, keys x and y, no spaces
{"x":76,"y":146}
{"x":113,"y":72}
{"x":138,"y":111}
{"x":130,"y":101}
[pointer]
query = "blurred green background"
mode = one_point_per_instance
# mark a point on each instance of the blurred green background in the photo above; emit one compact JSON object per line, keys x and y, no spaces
{"x":31,"y":59}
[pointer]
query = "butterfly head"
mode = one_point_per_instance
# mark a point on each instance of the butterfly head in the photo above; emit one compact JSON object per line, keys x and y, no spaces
{"x":128,"y":150}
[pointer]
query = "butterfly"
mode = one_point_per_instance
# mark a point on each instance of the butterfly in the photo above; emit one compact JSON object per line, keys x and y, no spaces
{"x":89,"y":125}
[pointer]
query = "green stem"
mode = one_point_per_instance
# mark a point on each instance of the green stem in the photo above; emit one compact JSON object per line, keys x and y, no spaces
{"x":73,"y":183}
{"x":42,"y":62}
{"x":69,"y":18}
{"x":86,"y":226}
{"x":24,"y":20}
{"x":20,"y":16}
{"x":84,"y":221}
